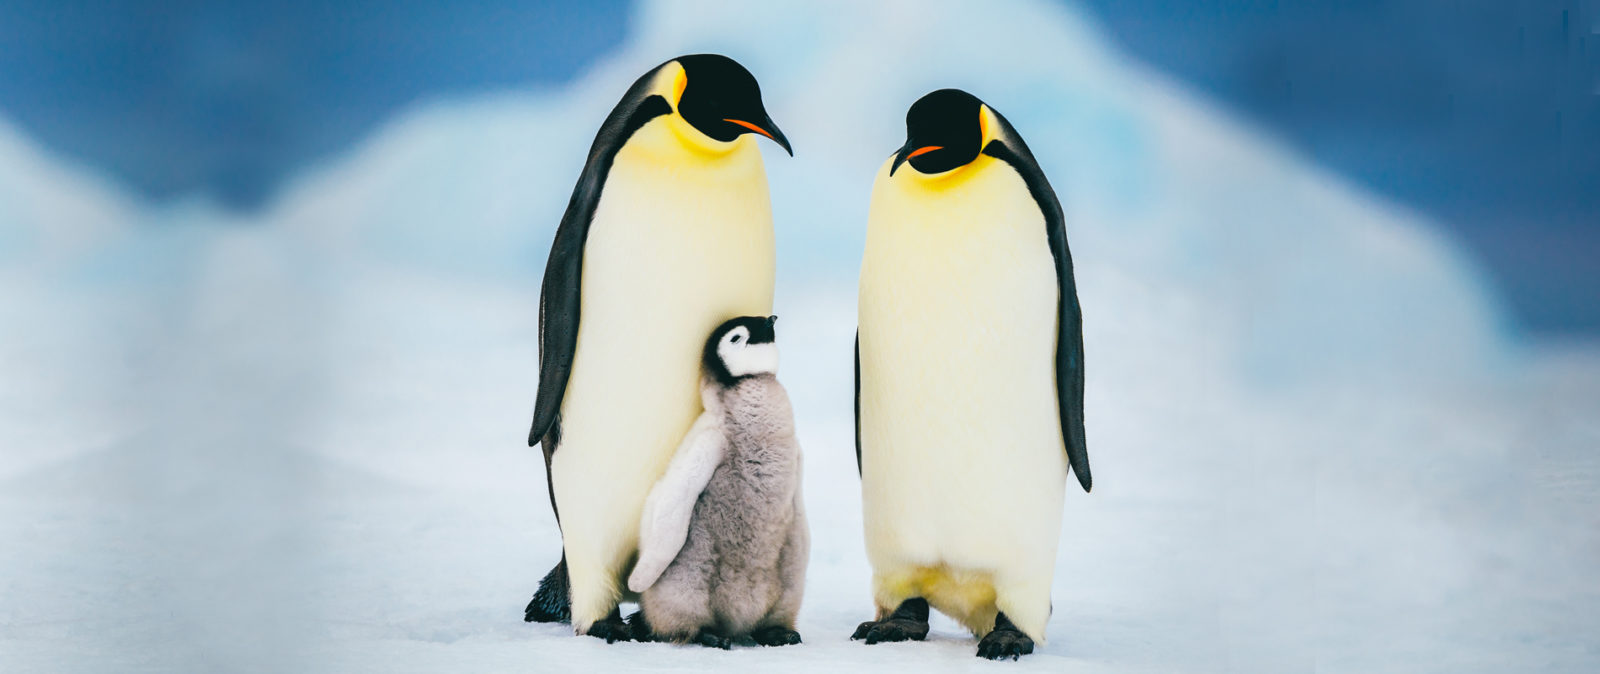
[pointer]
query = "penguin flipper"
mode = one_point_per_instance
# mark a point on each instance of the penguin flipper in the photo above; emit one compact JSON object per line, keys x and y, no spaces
{"x":1069,"y":375}
{"x":858,"y":402}
{"x":664,"y":525}
{"x":561,"y":292}
{"x":1069,"y":316}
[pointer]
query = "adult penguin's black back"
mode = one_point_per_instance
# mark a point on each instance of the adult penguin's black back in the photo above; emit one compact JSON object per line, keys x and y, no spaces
{"x":558,"y":311}
{"x":1069,"y":339}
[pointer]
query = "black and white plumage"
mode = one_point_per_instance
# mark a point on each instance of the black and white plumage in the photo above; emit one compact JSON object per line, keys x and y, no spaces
{"x":667,"y":235}
{"x":969,"y":380}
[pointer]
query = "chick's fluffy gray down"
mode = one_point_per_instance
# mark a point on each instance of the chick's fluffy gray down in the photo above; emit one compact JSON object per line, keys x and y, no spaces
{"x":742,"y":565}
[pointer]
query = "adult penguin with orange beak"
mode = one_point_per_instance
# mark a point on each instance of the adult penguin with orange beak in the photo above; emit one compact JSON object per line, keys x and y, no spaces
{"x":969,"y":380}
{"x":668,"y":235}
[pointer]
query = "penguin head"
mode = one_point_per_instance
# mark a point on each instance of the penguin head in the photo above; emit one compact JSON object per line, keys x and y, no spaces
{"x":742,"y":347}
{"x":721,"y":100}
{"x":945,"y":130}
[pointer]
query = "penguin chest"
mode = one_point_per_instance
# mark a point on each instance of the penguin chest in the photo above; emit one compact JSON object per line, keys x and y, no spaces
{"x":678,"y":244}
{"x":962,"y":452}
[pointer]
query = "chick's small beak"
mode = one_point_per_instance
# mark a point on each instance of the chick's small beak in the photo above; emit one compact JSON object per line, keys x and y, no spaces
{"x":768,"y":129}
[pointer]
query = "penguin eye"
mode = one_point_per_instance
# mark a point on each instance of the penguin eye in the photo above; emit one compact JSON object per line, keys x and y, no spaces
{"x":737,"y":338}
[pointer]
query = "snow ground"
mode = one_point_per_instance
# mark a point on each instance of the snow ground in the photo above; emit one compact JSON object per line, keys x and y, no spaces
{"x":296,"y":443}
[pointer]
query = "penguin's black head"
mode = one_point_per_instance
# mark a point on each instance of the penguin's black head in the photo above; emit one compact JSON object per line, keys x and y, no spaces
{"x":722,"y":100}
{"x":944,"y":131}
{"x":742,"y":347}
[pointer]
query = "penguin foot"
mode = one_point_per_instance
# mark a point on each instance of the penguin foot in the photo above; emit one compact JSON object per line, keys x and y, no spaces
{"x":639,"y":628}
{"x":612,"y":628}
{"x":1006,"y":641}
{"x":885,"y":631}
{"x":907,"y":623}
{"x":711,"y":639}
{"x":776,"y":635}
{"x":550,"y":604}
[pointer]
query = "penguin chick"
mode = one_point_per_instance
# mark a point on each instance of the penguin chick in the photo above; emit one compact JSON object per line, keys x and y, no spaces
{"x":723,"y":542}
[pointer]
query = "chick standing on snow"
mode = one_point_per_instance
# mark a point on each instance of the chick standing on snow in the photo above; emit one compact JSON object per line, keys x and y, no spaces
{"x":723,"y":541}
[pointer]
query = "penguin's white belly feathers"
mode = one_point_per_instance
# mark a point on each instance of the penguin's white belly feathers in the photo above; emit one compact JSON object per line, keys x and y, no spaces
{"x":963,"y":463}
{"x":681,"y":241}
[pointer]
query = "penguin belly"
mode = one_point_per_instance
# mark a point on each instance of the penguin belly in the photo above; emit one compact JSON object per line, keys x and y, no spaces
{"x":680,"y":242}
{"x":962,"y":458}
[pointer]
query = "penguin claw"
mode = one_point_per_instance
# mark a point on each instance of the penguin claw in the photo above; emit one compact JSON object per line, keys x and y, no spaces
{"x":776,"y":635}
{"x":891,"y":630}
{"x":713,"y":640}
{"x":639,"y":628}
{"x":613,"y":629}
{"x":1004,"y":643}
{"x":909,"y":622}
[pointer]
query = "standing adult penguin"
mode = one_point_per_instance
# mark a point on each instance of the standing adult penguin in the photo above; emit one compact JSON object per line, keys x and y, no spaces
{"x":668,"y":234}
{"x":969,"y":380}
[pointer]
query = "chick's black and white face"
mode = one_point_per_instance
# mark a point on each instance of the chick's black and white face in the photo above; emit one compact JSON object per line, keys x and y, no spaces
{"x":743,"y":347}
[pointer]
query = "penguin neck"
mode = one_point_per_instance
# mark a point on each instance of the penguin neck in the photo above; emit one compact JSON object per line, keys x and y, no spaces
{"x":671,"y":141}
{"x":717,"y":396}
{"x":715,"y":388}
{"x":690,"y":141}
{"x":752,"y":402}
{"x":669,"y":84}
{"x":910,"y":179}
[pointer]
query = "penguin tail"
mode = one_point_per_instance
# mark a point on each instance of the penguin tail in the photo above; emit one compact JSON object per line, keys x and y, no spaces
{"x":552,"y":603}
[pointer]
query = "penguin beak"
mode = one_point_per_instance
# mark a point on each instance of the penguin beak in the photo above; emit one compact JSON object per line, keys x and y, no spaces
{"x":771,"y":321}
{"x":766,"y":128}
{"x":906,"y":152}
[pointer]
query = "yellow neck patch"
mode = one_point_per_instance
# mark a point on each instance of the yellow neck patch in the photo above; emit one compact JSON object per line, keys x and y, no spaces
{"x":670,"y":84}
{"x":988,"y":124}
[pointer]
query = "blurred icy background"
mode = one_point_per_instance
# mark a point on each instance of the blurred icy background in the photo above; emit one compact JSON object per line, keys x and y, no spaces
{"x":257,"y":417}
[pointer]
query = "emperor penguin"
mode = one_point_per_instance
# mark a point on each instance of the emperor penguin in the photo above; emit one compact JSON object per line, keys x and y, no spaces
{"x":723,"y":541}
{"x":969,"y":380}
{"x":667,"y":235}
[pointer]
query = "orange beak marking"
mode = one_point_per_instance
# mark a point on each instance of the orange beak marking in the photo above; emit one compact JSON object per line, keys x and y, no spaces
{"x":924,"y":150}
{"x":751,"y":127}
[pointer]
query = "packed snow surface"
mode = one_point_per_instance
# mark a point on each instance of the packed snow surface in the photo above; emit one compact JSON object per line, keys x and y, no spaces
{"x":295,"y":442}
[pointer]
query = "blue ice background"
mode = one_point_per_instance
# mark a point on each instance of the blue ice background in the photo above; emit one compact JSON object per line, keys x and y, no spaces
{"x":1484,"y":115}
